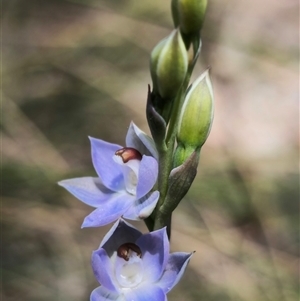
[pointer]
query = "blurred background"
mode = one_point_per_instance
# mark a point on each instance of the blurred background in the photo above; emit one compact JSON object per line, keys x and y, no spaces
{"x":76,"y":68}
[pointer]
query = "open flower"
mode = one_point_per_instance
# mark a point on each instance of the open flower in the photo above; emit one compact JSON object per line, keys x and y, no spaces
{"x":126,"y":176}
{"x":130,"y":265}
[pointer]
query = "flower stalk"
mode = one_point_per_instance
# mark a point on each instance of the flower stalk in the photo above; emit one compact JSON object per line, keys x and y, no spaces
{"x":162,"y":215}
{"x":148,"y":177}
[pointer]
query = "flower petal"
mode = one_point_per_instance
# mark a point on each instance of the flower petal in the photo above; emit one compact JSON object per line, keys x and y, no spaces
{"x":89,"y":190}
{"x":143,"y":207}
{"x":139,"y":140}
{"x":103,"y":270}
{"x":146,"y":292}
{"x":120,"y":233}
{"x":107,"y":169}
{"x":148,"y":172}
{"x":102,"y":294}
{"x":155,"y":252}
{"x":110,"y":211}
{"x":174,"y":270}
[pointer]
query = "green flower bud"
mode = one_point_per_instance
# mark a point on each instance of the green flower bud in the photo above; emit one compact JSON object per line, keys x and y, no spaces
{"x":168,"y":65}
{"x":189,"y":14}
{"x":154,"y":61}
{"x":182,"y":153}
{"x":195,"y":118}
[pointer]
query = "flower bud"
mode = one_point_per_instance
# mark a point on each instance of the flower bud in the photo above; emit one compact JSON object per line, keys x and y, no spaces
{"x":189,"y":14}
{"x":154,"y":61}
{"x":168,"y":65}
{"x":195,"y":119}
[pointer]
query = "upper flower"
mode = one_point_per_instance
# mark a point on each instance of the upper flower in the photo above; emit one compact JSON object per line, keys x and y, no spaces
{"x":130,"y":265}
{"x":126,"y":177}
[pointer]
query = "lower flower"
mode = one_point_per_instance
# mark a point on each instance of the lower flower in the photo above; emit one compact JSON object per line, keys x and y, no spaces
{"x":130,"y":265}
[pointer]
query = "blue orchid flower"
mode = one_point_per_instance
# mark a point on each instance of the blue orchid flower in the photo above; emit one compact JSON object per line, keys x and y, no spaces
{"x":130,"y":265}
{"x":126,"y":176}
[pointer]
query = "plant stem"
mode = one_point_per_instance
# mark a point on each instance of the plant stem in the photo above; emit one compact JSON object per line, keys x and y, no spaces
{"x":162,"y":219}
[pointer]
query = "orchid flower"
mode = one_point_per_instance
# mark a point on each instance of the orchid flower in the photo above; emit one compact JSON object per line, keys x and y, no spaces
{"x":126,"y":177}
{"x":130,"y":265}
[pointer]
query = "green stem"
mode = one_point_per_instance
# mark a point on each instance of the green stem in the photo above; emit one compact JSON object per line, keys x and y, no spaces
{"x":162,"y":219}
{"x":165,"y":165}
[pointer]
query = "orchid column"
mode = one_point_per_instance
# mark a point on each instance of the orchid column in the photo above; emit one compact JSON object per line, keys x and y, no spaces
{"x":148,"y":177}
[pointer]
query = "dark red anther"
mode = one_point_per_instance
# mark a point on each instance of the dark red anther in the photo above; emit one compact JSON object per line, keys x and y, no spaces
{"x":125,"y":250}
{"x":128,"y":153}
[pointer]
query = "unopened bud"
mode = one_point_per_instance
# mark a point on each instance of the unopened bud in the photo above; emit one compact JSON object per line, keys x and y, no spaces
{"x":195,"y":119}
{"x":189,"y":14}
{"x":168,"y":65}
{"x":154,"y":61}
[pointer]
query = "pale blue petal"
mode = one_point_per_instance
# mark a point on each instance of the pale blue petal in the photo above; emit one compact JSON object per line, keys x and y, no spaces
{"x":110,"y":211}
{"x":89,"y":190}
{"x":102,"y":294}
{"x":108,"y":170}
{"x":120,"y":233}
{"x":148,"y":172}
{"x":139,"y":140}
{"x":155,"y":253}
{"x":143,"y":207}
{"x":174,"y":270}
{"x":146,"y":292}
{"x":104,"y":271}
